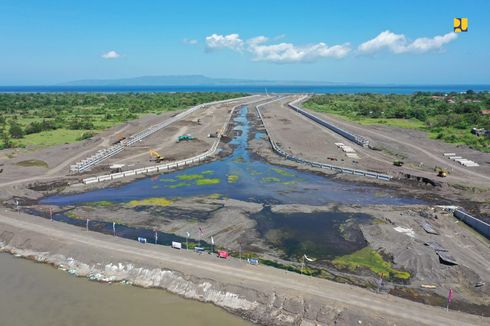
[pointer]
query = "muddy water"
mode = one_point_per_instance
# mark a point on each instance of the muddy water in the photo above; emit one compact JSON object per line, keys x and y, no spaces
{"x":36,"y":294}
{"x":241,"y":177}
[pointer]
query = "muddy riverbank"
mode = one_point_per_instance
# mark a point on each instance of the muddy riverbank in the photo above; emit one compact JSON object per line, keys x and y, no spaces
{"x":24,"y":287}
{"x":260,"y":294}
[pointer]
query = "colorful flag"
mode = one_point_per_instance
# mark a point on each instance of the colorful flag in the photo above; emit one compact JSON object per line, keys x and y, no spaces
{"x":450,"y":296}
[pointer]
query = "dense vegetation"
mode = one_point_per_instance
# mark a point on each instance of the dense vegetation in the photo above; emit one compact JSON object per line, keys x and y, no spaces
{"x":449,"y":117}
{"x":56,"y":118}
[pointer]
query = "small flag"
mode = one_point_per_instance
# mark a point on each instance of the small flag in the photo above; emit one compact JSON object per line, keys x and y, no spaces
{"x":188,"y":234}
{"x":200,"y":231}
{"x":212,"y":240}
{"x":308,"y":259}
{"x":450,"y":296}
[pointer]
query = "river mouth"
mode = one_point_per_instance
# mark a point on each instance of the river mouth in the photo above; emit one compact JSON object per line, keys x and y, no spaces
{"x":239,"y":177}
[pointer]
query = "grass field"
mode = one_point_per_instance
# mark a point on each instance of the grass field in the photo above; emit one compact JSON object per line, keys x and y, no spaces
{"x":52,"y":137}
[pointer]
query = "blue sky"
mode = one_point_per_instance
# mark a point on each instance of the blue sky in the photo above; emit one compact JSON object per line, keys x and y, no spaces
{"x":46,"y":42}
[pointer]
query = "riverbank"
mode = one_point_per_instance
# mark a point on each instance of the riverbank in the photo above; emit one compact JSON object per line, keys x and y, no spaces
{"x":258,"y":293}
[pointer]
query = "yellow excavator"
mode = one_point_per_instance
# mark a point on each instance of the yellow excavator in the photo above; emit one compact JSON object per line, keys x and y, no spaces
{"x":441,"y":172}
{"x":155,"y":156}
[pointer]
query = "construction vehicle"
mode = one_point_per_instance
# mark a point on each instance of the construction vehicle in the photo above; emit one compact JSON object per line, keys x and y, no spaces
{"x":398,"y":163}
{"x":441,"y":172}
{"x":155,"y":156}
{"x":184,"y":137}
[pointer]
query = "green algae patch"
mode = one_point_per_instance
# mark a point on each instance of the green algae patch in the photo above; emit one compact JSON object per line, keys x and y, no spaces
{"x":73,"y":215}
{"x":178,"y":185}
{"x":158,"y":201}
{"x":189,"y":177}
{"x":212,"y":181}
{"x":283,"y":172}
{"x":269,"y":179}
{"x":239,"y":159}
{"x":215,"y":196}
{"x":100,"y":203}
{"x":207,"y":172}
{"x":233,"y":178}
{"x":155,"y":187}
{"x":371,"y":259}
{"x":167,"y":180}
{"x":289,"y":182}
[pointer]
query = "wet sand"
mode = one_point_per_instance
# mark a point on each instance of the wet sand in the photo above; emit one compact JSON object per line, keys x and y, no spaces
{"x":37,"y":294}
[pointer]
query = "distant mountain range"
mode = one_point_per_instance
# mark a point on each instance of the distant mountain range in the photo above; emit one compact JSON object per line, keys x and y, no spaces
{"x":186,"y":80}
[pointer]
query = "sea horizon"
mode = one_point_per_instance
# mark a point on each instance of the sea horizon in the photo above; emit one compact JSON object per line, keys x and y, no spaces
{"x":320,"y":89}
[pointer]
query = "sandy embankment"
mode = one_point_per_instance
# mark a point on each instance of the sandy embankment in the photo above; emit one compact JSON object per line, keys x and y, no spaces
{"x":258,"y":293}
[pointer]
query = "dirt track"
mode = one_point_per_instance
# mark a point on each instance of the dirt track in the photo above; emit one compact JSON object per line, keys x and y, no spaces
{"x":376,"y":308}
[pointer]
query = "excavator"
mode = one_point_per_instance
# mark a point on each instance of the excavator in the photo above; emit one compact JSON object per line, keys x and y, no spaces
{"x":441,"y":172}
{"x":184,"y":138}
{"x":155,"y":156}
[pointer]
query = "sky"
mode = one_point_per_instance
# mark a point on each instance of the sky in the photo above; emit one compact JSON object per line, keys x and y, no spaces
{"x":377,"y":42}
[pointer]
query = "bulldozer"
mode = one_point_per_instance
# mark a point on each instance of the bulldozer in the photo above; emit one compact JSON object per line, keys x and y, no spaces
{"x":441,"y":172}
{"x":155,"y":156}
{"x":184,"y":137}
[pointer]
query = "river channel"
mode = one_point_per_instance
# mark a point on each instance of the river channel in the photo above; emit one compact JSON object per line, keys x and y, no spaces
{"x":241,"y":176}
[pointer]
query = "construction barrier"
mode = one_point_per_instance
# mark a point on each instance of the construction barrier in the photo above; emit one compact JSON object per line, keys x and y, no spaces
{"x":477,"y":224}
{"x":352,"y":137}
{"x":106,"y":153}
{"x":340,"y":169}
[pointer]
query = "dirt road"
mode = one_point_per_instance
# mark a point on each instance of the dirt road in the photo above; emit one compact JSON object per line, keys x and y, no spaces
{"x":240,"y":274}
{"x":426,"y":148}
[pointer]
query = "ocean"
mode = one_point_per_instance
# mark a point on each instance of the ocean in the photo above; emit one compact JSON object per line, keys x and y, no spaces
{"x":337,"y":89}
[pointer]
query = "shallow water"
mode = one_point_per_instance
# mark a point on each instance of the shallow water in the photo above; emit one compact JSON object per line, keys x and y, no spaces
{"x":239,"y":176}
{"x":37,"y":294}
{"x":322,"y":235}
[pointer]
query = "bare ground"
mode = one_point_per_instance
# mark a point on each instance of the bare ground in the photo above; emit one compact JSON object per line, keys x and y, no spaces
{"x":258,"y":293}
{"x":229,"y":221}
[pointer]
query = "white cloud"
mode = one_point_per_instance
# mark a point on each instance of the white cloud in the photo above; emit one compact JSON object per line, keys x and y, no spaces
{"x":111,"y":55}
{"x":257,"y":40}
{"x":277,"y":53}
{"x":190,"y":41}
{"x":290,"y":53}
{"x":230,"y":41}
{"x":398,"y":43}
